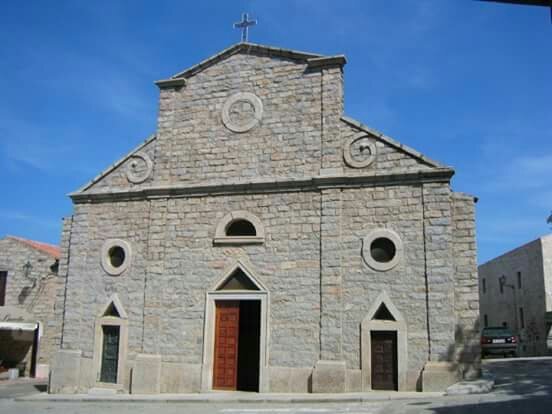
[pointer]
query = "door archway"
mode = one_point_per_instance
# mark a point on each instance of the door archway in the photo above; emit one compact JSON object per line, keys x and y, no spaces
{"x":237,"y":290}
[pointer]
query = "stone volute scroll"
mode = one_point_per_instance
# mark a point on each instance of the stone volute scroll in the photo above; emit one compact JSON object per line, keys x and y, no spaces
{"x":359,"y":151}
{"x":242,"y":111}
{"x":139,"y":168}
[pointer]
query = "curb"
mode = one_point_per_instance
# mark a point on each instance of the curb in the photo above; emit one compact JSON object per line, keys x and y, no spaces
{"x":214,"y":398}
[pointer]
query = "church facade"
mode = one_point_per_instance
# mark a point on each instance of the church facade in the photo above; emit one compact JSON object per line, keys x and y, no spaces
{"x":262,"y":240}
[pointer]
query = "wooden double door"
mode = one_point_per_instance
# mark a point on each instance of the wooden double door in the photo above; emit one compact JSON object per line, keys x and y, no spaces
{"x":384,"y":360}
{"x":237,"y":345}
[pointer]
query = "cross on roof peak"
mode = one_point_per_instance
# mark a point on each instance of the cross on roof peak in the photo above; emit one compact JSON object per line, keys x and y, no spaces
{"x":244,"y":26}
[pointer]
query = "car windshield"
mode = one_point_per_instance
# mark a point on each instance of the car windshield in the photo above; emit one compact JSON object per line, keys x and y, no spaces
{"x":497,"y":332}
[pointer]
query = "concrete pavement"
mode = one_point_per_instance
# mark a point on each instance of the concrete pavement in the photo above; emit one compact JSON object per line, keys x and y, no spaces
{"x":523,"y":386}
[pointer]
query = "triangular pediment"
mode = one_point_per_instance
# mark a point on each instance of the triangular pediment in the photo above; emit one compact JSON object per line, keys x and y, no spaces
{"x":113,"y":308}
{"x":248,"y":48}
{"x":391,"y":144}
{"x":116,"y":175}
{"x":383,"y":309}
{"x":238,"y":280}
{"x":238,"y":277}
{"x":383,"y":314}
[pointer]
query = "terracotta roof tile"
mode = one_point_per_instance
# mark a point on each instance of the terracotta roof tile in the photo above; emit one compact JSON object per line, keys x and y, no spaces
{"x":50,"y":249}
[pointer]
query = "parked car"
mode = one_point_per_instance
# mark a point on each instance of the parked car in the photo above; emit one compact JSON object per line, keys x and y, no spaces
{"x":499,"y":340}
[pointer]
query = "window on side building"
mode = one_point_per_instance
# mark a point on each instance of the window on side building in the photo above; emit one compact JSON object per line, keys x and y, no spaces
{"x":519,"y":279}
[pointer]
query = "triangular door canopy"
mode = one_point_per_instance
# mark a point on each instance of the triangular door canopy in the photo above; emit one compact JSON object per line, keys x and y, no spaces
{"x":239,"y":277}
{"x":383,"y":314}
{"x":112,"y":311}
{"x":114,"y":308}
{"x":238,"y":280}
{"x":383,"y":310}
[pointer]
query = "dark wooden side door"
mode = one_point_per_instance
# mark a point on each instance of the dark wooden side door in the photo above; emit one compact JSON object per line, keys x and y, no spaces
{"x":384,"y":360}
{"x":225,"y":372}
{"x":110,"y":354}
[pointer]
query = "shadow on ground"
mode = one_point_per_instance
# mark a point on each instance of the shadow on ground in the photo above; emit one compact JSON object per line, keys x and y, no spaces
{"x":521,"y":386}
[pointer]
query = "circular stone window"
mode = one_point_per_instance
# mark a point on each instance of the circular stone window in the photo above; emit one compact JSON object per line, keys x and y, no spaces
{"x":382,"y":249}
{"x":116,"y":255}
{"x":242,"y":111}
{"x":359,"y":151}
{"x":139,"y":168}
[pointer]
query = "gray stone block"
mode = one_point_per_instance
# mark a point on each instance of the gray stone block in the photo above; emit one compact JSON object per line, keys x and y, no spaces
{"x":87,"y":377}
{"x":180,"y":378}
{"x":146,"y":375}
{"x":328,"y":377}
{"x":353,"y":378}
{"x":290,"y":380}
{"x":65,"y":376}
{"x":437,"y":376}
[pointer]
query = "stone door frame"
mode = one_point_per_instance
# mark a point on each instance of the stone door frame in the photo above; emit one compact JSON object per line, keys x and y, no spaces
{"x":122,"y":323}
{"x":213,"y":295}
{"x":399,"y":326}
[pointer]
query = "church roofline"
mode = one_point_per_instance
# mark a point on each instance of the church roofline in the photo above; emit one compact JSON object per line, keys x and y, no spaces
{"x":314,"y":60}
{"x":47,"y":248}
{"x":113,"y":166}
{"x":404,"y":148}
{"x":257,"y":186}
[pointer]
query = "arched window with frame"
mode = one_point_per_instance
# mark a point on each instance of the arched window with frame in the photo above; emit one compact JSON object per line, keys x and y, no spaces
{"x":239,"y":227}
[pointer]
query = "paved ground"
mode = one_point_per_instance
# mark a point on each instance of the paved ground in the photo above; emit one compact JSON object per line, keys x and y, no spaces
{"x":523,"y":386}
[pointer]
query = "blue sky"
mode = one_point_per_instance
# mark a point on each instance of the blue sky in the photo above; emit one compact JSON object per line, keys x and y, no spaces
{"x":464,"y":82}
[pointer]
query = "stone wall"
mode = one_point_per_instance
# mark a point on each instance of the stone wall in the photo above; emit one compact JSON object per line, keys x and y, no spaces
{"x":546,"y":245}
{"x":34,"y":294}
{"x":280,"y":171}
{"x":195,"y":147}
{"x":400,"y":209}
{"x":503,"y":307}
{"x":174,"y":262}
{"x":301,"y":133}
{"x":466,"y":292}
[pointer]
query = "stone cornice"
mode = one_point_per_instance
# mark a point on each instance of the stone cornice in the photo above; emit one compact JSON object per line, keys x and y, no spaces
{"x":246,"y":47}
{"x":268,"y":186}
{"x":325,"y":61}
{"x":171,"y":83}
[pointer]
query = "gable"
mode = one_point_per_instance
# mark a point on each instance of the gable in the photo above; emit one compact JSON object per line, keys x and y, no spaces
{"x":384,"y":310}
{"x":238,"y":276}
{"x":238,"y":280}
{"x":132,"y":171}
{"x":391,"y":156}
{"x":248,"y":114}
{"x":383,"y":314}
{"x":311,"y":59}
{"x":113,"y":308}
{"x":45,"y":248}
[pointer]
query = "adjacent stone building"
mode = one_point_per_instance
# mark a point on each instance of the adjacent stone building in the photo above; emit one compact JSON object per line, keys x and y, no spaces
{"x":516,"y":291}
{"x":262,"y":240}
{"x":28,"y":284}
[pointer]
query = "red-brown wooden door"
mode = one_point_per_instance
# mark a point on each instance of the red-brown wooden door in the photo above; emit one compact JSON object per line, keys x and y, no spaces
{"x":225,"y":373}
{"x":384,"y":360}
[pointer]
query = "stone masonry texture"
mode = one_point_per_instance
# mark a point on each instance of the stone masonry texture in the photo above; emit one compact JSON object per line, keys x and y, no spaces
{"x":33,"y":294}
{"x":528,"y":280}
{"x":289,"y":172}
